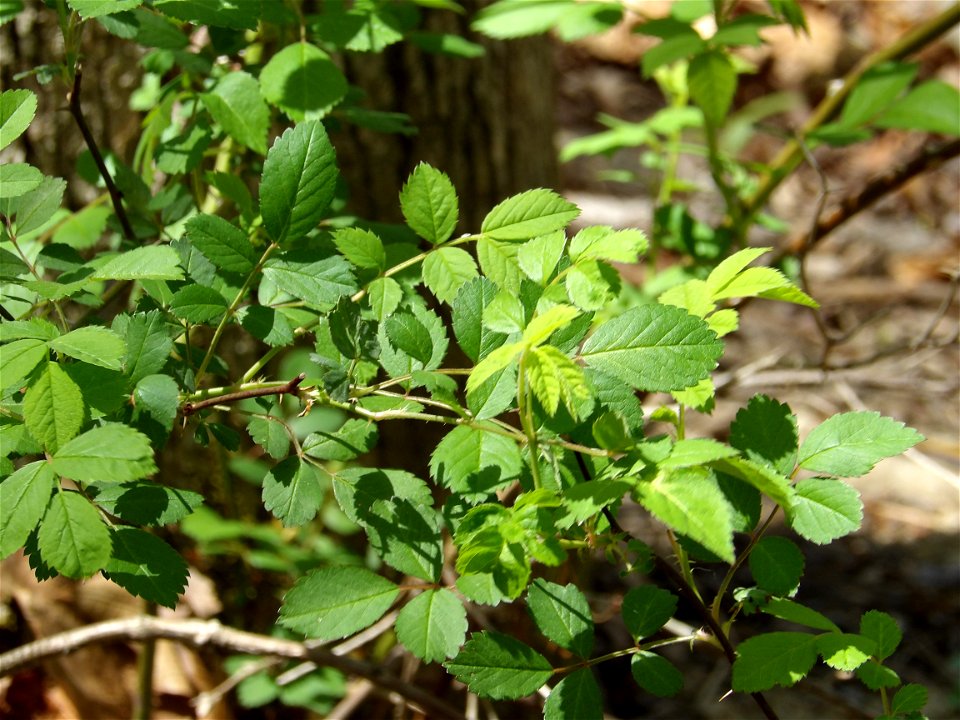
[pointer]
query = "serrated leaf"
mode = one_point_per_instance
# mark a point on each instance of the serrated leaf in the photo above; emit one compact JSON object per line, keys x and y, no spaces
{"x":154,"y":262}
{"x":385,"y":295}
{"x":292,"y":492}
{"x":646,"y":609}
{"x":222,"y":243}
{"x":538,"y":258}
{"x":495,"y":394}
{"x":712,"y":79}
{"x":303,"y":81}
{"x":109,"y":453}
{"x":725,"y":272}
{"x":95,"y":345}
{"x":72,"y":537}
{"x":576,"y":697}
{"x":17,"y":179}
{"x":824,"y":510}
{"x":766,"y":431}
{"x":562,"y":613}
{"x":17,"y":108}
{"x":157,"y":396}
{"x":24,"y":497}
{"x":554,"y":377}
{"x":930,"y":106}
{"x":656,"y":674}
{"x":777,"y":565}
{"x":761,"y":476}
{"x":696,"y":451}
{"x":36,"y":207}
{"x":198,"y":304}
{"x":498,"y":261}
{"x":545,"y":324}
{"x":493,"y":363}
{"x":778,"y":658}
{"x":429,"y":204}
{"x":531,"y":213}
{"x":883,"y":630}
{"x":148,"y":343}
{"x":353,"y":438}
{"x":433,"y":625}
{"x":600,"y":242}
{"x":361,"y":247}
{"x":146,"y":503}
{"x":379,"y":484}
{"x":505,"y":313}
{"x":845,"y":651}
{"x":405,"y":534}
{"x":850,"y":444}
{"x":145,"y":566}
{"x":471,"y":461}
{"x":319,"y":283}
{"x":409,"y":335}
{"x":236,"y":105}
{"x":20,"y":358}
{"x":53,"y":408}
{"x":585,"y":500}
{"x":800,"y":614}
{"x":298,"y":181}
{"x":474,"y":338}
{"x":909,"y":699}
{"x":446,"y":270}
{"x":592,"y":284}
{"x":406,"y":327}
{"x":654,"y":347}
{"x":875,"y":676}
{"x":98,"y":8}
{"x":499,"y":667}
{"x":334,"y":602}
{"x":270,"y":435}
{"x":266,"y":324}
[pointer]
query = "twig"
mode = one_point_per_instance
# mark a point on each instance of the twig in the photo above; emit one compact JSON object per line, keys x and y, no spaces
{"x":200,"y":633}
{"x":116,"y":197}
{"x":189,"y":408}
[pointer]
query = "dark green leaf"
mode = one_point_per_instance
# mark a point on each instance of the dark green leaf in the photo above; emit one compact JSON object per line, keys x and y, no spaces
{"x":292,"y":491}
{"x":562,"y":614}
{"x":266,"y":324}
{"x":876,"y":89}
{"x":777,"y":565}
{"x":933,"y":106}
{"x":319,"y":283}
{"x":656,"y":674}
{"x":353,"y":438}
{"x":883,"y":630}
{"x":576,"y":697}
{"x":92,"y":344}
{"x":778,"y":658}
{"x":499,"y":667}
{"x":302,"y":81}
{"x":800,"y":614}
{"x":221,"y":242}
{"x":96,"y":8}
{"x":146,"y":503}
{"x":766,"y":431}
{"x":236,"y":105}
{"x":712,"y":79}
{"x":270,"y":434}
{"x":909,"y":699}
{"x":198,"y":304}
{"x":148,"y":343}
{"x":646,"y":609}
{"x":473,"y":462}
{"x":474,"y":338}
{"x":145,"y":566}
{"x":154,"y":262}
{"x":845,"y":651}
{"x":157,"y":396}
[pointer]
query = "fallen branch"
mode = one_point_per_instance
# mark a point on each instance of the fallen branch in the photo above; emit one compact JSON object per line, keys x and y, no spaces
{"x":210,"y":633}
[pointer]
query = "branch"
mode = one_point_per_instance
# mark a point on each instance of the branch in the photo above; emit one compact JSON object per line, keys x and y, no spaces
{"x":200,"y":633}
{"x":189,"y":408}
{"x":116,"y":197}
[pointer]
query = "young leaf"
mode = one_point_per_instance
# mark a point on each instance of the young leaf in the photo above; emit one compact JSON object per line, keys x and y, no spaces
{"x":883,"y":630}
{"x":222,"y":243}
{"x":778,"y":658}
{"x":198,"y":304}
{"x":237,"y":106}
{"x":696,"y":451}
{"x":725,"y":272}
{"x":446,"y":270}
{"x":845,"y":651}
{"x":302,"y":81}
{"x":776,"y":564}
{"x":385,"y":295}
{"x":292,"y":492}
{"x":554,"y":377}
{"x":145,"y":503}
{"x":110,"y":453}
{"x":17,"y":108}
{"x":539,"y":257}
{"x":72,"y":537}
{"x":646,"y":609}
{"x":562,"y":614}
{"x":24,"y":497}
{"x":433,"y":625}
{"x":576,"y":697}
{"x":850,"y":444}
{"x":361,"y":247}
{"x":429,"y":204}
{"x":334,"y":602}
{"x":145,"y":566}
{"x":405,"y":534}
{"x":53,"y":408}
{"x":497,"y":666}
{"x":765,"y":431}
{"x":654,"y":347}
{"x":154,"y":262}
{"x":531,"y":213}
{"x":94,"y":345}
{"x":600,"y":242}
{"x":298,"y":180}
{"x":656,"y":674}
{"x":496,"y":361}
{"x":499,"y":263}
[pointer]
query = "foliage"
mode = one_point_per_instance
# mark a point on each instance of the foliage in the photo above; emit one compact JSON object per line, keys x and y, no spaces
{"x":547,"y":439}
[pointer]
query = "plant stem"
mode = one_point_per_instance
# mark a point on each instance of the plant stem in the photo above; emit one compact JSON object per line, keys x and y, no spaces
{"x":145,"y":664}
{"x":189,"y":408}
{"x":525,"y":408}
{"x":728,"y":578}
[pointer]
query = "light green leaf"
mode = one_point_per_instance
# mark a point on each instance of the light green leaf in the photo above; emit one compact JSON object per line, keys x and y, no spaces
{"x":334,"y":602}
{"x":562,"y":613}
{"x":696,"y":451}
{"x":585,"y":500}
{"x":654,"y":347}
{"x":712,"y":80}
{"x":518,"y":18}
{"x":761,"y":476}
{"x":385,"y":295}
{"x":53,"y":408}
{"x":446,"y":270}
{"x":850,"y":444}
{"x":728,"y":269}
{"x":94,"y":345}
{"x":723,"y":322}
{"x":776,"y":564}
{"x":778,"y":658}
{"x":19,"y":359}
{"x":154,"y":262}
{"x":599,"y":242}
{"x":472,"y":461}
{"x":319,"y":283}
{"x":17,"y":108}
{"x":429,"y":204}
{"x":545,"y":324}
{"x":18,"y":179}
{"x":24,"y":497}
{"x":302,"y":81}
{"x":845,"y":651}
{"x":98,"y":8}
{"x":497,"y":666}
{"x":292,"y":492}
{"x":656,"y":674}
{"x":876,"y":89}
{"x":592,"y":284}
{"x":35,"y":328}
{"x":145,"y":566}
{"x":361,"y":247}
{"x":505,"y":313}
{"x":531,"y":213}
{"x":110,"y":453}
{"x":824,"y":510}
{"x":498,"y":260}
{"x":222,"y":243}
{"x":554,"y":377}
{"x":646,"y":609}
{"x":433,"y":625}
{"x":539,"y":257}
{"x":270,"y":435}
{"x":198,"y":304}
{"x":576,"y":697}
{"x":932,"y":106}
{"x":236,"y":105}
{"x":72,"y":538}
{"x":496,"y":361}
{"x":35,"y":208}
{"x":298,"y":181}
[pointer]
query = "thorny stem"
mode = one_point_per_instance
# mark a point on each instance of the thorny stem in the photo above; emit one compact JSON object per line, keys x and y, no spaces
{"x":189,"y":408}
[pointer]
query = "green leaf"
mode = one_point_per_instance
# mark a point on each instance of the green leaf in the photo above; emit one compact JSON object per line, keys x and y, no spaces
{"x":222,"y":243}
{"x":234,"y":14}
{"x":398,"y":355}
{"x":474,"y":338}
{"x":471,"y":461}
{"x":72,"y":537}
{"x":236,"y":105}
{"x":909,"y":699}
{"x":800,"y":614}
{"x":292,"y":492}
{"x":600,"y":242}
{"x":587,"y":499}
{"x":509,"y":19}
{"x":777,"y":565}
{"x":356,"y":487}
{"x":35,"y":208}
{"x":433,"y":625}
{"x":18,"y":179}
{"x":933,"y":106}
{"x":334,"y":602}
{"x":576,"y":697}
{"x":712,"y":80}
{"x":17,"y":108}
{"x":446,"y":270}
{"x":53,"y":408}
{"x":761,"y":476}
{"x":11,"y":267}
{"x":266,"y":324}
{"x":845,"y":651}
{"x":385,"y":295}
{"x":97,"y":8}
{"x":302,"y":81}
{"x":405,"y":534}
{"x":554,"y":377}
{"x":538,"y":258}
{"x":36,"y":328}
{"x":409,"y":335}
{"x":198,"y":304}
{"x":429,"y":204}
{"x":155,"y":262}
{"x":145,"y":566}
{"x":531,"y":213}
{"x":353,"y":438}
{"x":109,"y":453}
{"x":495,"y":394}
{"x":562,"y":614}
{"x":765,"y":431}
{"x":298,"y":181}
{"x":656,"y":674}
{"x":850,"y":444}
{"x":778,"y":658}
{"x":883,"y":630}
{"x":270,"y":435}
{"x":493,"y":363}
{"x":875,"y":676}
{"x":689,"y":501}
{"x":361,"y":247}
{"x":654,"y":347}
{"x":591,"y":284}
{"x":824,"y":510}
{"x":498,"y":260}
{"x":696,"y":451}
{"x":183,"y":153}
{"x":146,"y":503}
{"x":498,"y":666}
{"x":148,"y":343}
{"x":545,"y":324}
{"x":646,"y":609}
{"x":876,"y":89}
{"x":20,"y":358}
{"x":24,"y":497}
{"x":319,"y":283}
{"x":94,"y":345}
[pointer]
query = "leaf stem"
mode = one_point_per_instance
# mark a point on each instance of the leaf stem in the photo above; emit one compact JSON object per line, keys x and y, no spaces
{"x":525,"y":408}
{"x":728,"y":578}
